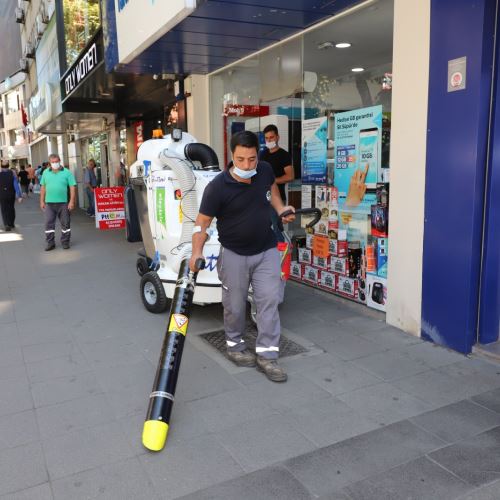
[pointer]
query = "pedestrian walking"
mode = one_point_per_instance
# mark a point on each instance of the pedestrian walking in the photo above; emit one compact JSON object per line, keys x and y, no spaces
{"x":9,"y":191}
{"x":31,"y":177}
{"x":54,"y":201}
{"x":241,"y":198}
{"x":24,"y":181}
{"x":90,"y":181}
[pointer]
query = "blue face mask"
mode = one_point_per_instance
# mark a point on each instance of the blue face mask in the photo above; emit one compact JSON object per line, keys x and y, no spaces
{"x":244,"y":174}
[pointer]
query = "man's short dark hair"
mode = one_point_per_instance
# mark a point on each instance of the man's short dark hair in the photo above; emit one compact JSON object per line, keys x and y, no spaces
{"x":271,"y":128}
{"x":245,"y":139}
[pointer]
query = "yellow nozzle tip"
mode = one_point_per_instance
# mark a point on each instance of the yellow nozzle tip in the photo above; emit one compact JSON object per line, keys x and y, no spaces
{"x":154,"y":434}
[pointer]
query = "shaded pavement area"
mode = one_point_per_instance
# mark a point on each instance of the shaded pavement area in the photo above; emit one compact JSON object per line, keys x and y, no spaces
{"x":368,"y":412}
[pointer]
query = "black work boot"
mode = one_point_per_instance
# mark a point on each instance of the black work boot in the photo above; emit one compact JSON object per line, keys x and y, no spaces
{"x":271,"y":369}
{"x":241,"y":358}
{"x":50,"y":246}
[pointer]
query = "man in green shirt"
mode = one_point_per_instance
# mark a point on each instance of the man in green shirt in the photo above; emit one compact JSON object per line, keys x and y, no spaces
{"x":54,"y":201}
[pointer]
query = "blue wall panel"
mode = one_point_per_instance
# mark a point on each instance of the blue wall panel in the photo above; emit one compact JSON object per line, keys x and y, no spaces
{"x":489,"y":323}
{"x":455,"y":171}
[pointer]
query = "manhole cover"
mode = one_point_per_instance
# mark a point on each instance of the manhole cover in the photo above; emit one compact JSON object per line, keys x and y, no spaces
{"x":217,"y":339}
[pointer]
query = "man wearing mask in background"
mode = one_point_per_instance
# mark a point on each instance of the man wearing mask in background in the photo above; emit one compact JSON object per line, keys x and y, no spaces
{"x":241,"y":198}
{"x":281,"y":161}
{"x":9,"y":190}
{"x":90,"y":181}
{"x":54,"y":201}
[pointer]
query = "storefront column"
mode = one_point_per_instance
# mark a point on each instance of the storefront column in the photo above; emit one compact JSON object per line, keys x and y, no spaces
{"x":408,"y":153}
{"x":114,"y":153}
{"x":75,"y":165}
{"x":198,"y":118}
{"x":458,"y":123}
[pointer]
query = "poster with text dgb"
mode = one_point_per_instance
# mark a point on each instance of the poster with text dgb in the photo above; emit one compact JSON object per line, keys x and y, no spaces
{"x":358,"y":148}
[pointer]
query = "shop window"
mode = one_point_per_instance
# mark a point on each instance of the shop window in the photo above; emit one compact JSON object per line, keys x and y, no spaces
{"x":81,"y":22}
{"x":332,"y":107}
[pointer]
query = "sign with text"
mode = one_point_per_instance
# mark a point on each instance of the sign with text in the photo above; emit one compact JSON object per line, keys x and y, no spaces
{"x":109,"y":208}
{"x":86,"y":63}
{"x":139,"y":23}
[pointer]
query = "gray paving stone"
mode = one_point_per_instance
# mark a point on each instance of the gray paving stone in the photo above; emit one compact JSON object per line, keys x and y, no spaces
{"x":265,"y":441}
{"x":351,"y":346}
{"x":490,"y":399}
{"x":296,"y":391}
{"x":362,"y":324}
{"x":17,"y":429}
{"x":124,"y":480}
{"x":126,"y":376}
{"x":40,"y":492}
{"x":271,"y":483}
{"x":16,"y":372}
{"x":15,"y":396}
{"x":475,"y":376}
{"x":329,"y":421}
{"x":390,"y":365}
{"x":111,"y":352}
{"x":432,"y":355}
{"x":305,"y":362}
{"x":21,"y":468}
{"x":336,"y":466}
{"x":384,"y":403}
{"x":64,"y":366}
{"x":50,"y":350}
{"x":85,"y":449}
{"x":184,"y":468}
{"x":10,"y":355}
{"x":231,"y":408}
{"x":9,"y":334}
{"x":489,"y":492}
{"x":418,"y":479}
{"x":65,"y":389}
{"x":434,"y":387}
{"x":458,"y":421}
{"x":475,"y":460}
{"x":392,"y":338}
{"x":40,"y":330}
{"x":79,"y":413}
{"x":340,"y":377}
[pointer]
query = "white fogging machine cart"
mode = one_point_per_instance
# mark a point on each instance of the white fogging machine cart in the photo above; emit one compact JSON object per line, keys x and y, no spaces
{"x":168,"y":180}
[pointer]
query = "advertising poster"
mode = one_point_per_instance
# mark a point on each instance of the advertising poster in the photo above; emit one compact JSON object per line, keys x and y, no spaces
{"x":358,"y":142}
{"x":314,"y":150}
{"x":109,"y":207}
{"x":159,"y":182}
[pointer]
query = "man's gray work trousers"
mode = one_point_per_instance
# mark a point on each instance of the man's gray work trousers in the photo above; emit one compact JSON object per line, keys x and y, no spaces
{"x":52,"y":212}
{"x":263,"y":271}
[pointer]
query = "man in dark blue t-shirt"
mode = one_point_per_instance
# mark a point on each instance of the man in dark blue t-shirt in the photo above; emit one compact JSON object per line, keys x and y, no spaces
{"x":240,"y":198}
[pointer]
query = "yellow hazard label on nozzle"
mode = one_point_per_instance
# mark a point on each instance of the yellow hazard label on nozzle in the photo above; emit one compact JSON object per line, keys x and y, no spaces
{"x":178,"y":323}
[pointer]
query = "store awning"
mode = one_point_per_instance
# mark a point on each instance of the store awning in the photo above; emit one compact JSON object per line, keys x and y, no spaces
{"x":220,"y":32}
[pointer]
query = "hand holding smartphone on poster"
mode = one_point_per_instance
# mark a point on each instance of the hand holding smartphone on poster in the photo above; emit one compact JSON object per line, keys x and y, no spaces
{"x":357,"y":187}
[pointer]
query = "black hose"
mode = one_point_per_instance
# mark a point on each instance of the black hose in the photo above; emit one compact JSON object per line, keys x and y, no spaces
{"x":196,"y":151}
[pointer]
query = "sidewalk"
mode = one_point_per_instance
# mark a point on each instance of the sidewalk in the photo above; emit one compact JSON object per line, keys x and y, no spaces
{"x":367,"y":413}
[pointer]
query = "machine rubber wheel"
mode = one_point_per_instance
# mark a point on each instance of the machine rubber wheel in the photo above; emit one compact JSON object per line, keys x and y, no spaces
{"x":152,"y":293}
{"x":253,"y":308}
{"x":141,"y":266}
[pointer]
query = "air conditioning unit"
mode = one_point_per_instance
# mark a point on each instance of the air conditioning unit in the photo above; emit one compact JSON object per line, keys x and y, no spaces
{"x":29,"y":50}
{"x":44,"y":17}
{"x":19,"y":15}
{"x":40,"y":27}
{"x":23,"y":65}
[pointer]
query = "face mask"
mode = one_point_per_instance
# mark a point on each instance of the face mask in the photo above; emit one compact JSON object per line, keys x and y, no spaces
{"x":244,"y":174}
{"x":271,"y":145}
{"x":55,"y":166}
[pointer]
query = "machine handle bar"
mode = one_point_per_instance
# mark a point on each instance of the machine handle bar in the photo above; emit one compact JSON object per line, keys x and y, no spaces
{"x":200,"y":264}
{"x":305,"y":211}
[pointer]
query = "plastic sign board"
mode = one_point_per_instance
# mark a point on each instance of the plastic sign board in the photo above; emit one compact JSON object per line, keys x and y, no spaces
{"x":139,"y":23}
{"x":109,"y":208}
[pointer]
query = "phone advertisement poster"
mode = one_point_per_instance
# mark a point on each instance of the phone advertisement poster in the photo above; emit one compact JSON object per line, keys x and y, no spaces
{"x":358,"y":141}
{"x":314,"y":150}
